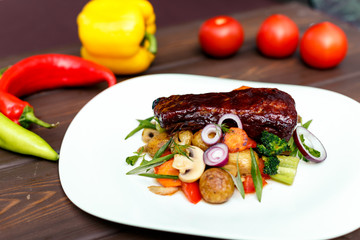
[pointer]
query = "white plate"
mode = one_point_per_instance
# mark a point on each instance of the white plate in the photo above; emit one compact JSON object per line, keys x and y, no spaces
{"x":322,"y":203}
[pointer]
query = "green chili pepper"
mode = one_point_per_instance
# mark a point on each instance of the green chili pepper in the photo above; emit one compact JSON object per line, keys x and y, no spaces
{"x":20,"y":140}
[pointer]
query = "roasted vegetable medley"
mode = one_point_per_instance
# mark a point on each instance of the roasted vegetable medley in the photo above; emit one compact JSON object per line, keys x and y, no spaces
{"x":210,"y":163}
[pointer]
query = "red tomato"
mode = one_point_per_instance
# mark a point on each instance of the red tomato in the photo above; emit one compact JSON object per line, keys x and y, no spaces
{"x":221,"y":36}
{"x":324,"y":45}
{"x":278,"y":36}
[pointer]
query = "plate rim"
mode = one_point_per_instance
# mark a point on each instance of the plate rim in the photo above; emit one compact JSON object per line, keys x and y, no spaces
{"x":176,"y":76}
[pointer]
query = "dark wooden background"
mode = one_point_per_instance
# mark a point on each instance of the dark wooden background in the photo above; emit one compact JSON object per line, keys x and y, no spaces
{"x":32,"y":202}
{"x":37,"y":25}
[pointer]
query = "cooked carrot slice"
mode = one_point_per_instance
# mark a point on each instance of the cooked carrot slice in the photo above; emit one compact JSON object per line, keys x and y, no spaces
{"x":242,"y":88}
{"x":237,"y":140}
{"x":167,"y":169}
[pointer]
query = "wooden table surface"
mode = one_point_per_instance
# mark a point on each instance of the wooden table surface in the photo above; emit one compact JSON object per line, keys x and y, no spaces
{"x":32,"y":202}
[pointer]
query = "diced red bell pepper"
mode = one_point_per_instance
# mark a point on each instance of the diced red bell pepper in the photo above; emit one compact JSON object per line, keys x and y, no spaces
{"x":249,"y":184}
{"x":191,"y":191}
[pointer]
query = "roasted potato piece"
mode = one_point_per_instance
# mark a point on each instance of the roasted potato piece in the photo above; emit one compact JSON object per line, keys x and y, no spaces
{"x":244,"y":160}
{"x":183,"y":137}
{"x":231,"y":168}
{"x":148,"y":134}
{"x":197,"y":141}
{"x":216,"y":186}
{"x":156,"y":143}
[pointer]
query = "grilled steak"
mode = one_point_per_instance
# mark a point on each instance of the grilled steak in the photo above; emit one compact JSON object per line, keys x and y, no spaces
{"x":258,"y":108}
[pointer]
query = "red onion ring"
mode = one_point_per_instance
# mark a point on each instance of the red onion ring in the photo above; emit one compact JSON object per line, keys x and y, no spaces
{"x":230,"y":116}
{"x":216,"y":155}
{"x":312,"y":142}
{"x":207,"y":130}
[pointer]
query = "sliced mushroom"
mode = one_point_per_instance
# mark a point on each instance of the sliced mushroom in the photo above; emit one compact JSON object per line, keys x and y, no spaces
{"x":190,"y":169}
{"x":148,"y":134}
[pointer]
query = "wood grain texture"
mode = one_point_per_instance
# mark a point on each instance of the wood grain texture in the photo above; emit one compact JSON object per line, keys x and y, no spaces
{"x":32,"y":202}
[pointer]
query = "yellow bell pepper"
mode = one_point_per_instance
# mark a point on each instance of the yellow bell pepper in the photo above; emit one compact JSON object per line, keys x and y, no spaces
{"x":118,"y":34}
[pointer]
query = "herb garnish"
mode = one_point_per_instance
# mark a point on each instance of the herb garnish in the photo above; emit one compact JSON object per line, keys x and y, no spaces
{"x":256,"y":175}
{"x":157,"y":159}
{"x":151,"y":164}
{"x":224,"y":128}
{"x":163,"y":148}
{"x":238,"y":183}
{"x":131,"y":160}
{"x":154,"y":175}
{"x":180,"y":149}
{"x":237,"y":180}
{"x":142,"y":124}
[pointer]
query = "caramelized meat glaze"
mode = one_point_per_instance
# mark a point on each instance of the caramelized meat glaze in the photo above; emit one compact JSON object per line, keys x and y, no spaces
{"x":258,"y":108}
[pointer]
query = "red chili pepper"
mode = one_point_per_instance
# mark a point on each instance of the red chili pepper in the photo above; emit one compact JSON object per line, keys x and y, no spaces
{"x":49,"y":71}
{"x":43,"y":72}
{"x":19,"y":111}
{"x":191,"y":191}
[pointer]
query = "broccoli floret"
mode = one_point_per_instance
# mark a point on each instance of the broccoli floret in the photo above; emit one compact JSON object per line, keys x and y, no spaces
{"x":271,"y":165}
{"x":278,"y":167}
{"x":281,"y":168}
{"x":271,"y":144}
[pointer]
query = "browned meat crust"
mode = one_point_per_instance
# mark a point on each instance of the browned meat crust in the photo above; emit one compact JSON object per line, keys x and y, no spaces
{"x":258,"y":108}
